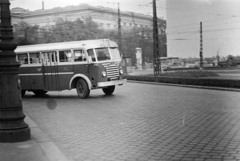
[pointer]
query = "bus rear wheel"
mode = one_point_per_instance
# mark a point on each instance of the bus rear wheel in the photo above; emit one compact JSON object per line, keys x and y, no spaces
{"x":82,"y":88}
{"x":108,"y":90}
{"x":39,"y":92}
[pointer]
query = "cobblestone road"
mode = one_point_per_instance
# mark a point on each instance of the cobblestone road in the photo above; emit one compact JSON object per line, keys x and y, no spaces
{"x":141,"y":122}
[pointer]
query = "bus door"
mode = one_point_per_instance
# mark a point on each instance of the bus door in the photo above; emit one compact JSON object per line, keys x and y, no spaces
{"x":50,"y":70}
{"x":93,"y":68}
{"x":80,"y":62}
{"x":65,"y":68}
{"x":35,"y":71}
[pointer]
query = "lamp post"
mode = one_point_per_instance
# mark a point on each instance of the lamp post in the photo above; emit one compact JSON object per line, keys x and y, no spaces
{"x":12,"y":125}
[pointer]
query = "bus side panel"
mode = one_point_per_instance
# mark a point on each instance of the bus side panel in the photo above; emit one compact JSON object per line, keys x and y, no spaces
{"x":25,"y":78}
{"x":36,"y":77}
{"x":50,"y":77}
{"x":65,"y":73}
{"x":94,"y":74}
{"x":81,"y":69}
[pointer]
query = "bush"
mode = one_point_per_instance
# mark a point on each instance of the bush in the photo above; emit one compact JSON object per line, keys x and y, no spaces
{"x":190,"y":74}
{"x":193,"y":79}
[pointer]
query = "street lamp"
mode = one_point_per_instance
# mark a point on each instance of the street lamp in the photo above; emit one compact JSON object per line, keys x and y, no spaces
{"x":12,"y":125}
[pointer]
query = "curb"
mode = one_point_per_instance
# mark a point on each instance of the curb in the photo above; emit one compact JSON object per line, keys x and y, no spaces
{"x":190,"y":86}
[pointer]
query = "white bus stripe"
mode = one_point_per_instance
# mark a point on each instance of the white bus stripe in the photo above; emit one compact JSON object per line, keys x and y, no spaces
{"x":61,"y":73}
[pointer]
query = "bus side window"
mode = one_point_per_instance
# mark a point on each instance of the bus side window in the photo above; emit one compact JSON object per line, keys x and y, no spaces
{"x":53,"y":56}
{"x":34,"y":58}
{"x":45,"y":57}
{"x":91,"y":53}
{"x":79,"y":56}
{"x":65,"y":56}
{"x":22,"y":58}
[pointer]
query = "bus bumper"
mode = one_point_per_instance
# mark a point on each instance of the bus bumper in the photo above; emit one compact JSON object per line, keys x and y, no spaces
{"x":112,"y":83}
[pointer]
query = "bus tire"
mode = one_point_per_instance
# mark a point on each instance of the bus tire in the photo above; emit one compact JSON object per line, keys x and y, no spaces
{"x":82,"y":88}
{"x":39,"y":92}
{"x":23,"y":93}
{"x":108,"y":90}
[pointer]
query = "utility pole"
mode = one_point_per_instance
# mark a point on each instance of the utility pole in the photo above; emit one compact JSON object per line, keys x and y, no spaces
{"x":201,"y":48}
{"x":42,"y":5}
{"x":156,"y":47}
{"x":12,"y":125}
{"x":143,"y":48}
{"x":119,"y":32}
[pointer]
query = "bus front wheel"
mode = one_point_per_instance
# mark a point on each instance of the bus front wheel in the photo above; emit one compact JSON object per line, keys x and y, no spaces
{"x":82,"y":88}
{"x":39,"y":92}
{"x":109,"y":90}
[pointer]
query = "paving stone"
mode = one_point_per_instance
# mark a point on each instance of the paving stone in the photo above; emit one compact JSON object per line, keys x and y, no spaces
{"x":142,"y":122}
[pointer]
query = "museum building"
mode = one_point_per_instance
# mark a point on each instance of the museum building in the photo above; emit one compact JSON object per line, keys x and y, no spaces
{"x":107,"y":18}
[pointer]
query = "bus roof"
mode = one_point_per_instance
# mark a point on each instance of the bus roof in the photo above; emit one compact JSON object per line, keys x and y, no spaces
{"x":86,"y":44}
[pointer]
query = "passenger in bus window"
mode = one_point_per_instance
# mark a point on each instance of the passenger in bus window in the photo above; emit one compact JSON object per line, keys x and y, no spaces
{"x":102,"y":54}
{"x":79,"y":56}
{"x":34,"y":58}
{"x":31,"y":60}
{"x":65,"y":56}
{"x":26,"y":61}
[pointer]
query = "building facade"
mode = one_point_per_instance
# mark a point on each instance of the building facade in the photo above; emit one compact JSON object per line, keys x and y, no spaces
{"x":107,"y":18}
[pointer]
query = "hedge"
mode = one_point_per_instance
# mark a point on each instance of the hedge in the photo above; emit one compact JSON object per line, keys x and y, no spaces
{"x":226,"y":83}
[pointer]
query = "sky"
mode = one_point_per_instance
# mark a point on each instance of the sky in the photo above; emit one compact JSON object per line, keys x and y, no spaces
{"x":220,"y":27}
{"x":220,"y":22}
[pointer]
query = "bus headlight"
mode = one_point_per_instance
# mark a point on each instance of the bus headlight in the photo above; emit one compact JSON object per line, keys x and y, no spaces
{"x":121,"y":71}
{"x":104,"y":74}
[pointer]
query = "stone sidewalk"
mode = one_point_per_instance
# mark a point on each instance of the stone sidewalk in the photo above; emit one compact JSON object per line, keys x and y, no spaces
{"x":38,"y":148}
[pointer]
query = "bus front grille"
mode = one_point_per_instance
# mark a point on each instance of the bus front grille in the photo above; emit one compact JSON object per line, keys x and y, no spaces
{"x":112,"y":71}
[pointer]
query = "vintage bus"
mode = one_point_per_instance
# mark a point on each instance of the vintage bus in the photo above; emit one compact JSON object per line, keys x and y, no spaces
{"x":83,"y":65}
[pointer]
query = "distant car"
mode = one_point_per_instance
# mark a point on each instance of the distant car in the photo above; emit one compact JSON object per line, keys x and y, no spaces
{"x":205,"y":64}
{"x":231,"y":61}
{"x":225,"y":63}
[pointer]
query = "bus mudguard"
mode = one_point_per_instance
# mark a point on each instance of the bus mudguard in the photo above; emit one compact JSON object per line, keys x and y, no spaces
{"x":80,"y":76}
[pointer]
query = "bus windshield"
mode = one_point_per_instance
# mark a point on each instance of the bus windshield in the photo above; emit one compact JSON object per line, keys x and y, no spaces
{"x":102,"y":54}
{"x":115,"y":54}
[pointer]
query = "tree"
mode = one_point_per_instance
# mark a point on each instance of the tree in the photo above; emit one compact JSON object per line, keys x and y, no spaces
{"x":25,"y":34}
{"x":65,"y":30}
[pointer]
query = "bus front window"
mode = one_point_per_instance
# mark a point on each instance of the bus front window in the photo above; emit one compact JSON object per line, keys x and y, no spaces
{"x":115,"y":54}
{"x":102,"y":54}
